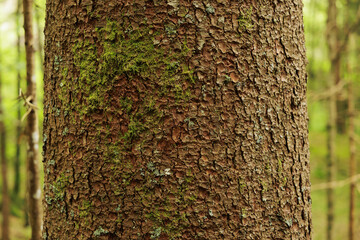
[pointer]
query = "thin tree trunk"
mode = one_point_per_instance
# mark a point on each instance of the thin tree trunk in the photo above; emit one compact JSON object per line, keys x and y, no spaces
{"x":351,"y":46}
{"x":333,"y":43}
{"x":336,"y":31}
{"x":32,"y":129}
{"x":5,"y":193}
{"x":341,"y":115}
{"x":331,"y":165}
{"x":39,"y":39}
{"x":17,"y":175}
{"x":352,"y":170}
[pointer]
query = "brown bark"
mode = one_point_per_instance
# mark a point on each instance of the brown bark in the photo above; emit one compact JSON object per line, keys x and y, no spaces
{"x":5,"y":209}
{"x":32,"y":129}
{"x":175,"y":120}
{"x":352,"y":169}
{"x":334,"y":76}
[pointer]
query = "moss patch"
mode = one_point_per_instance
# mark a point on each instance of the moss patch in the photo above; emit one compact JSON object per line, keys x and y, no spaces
{"x":123,"y":51}
{"x":245,"y":21}
{"x":132,"y":54}
{"x":58,"y":191}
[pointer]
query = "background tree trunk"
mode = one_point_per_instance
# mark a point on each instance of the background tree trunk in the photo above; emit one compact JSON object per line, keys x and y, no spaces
{"x":32,"y":128}
{"x":333,"y":43}
{"x":39,"y":38}
{"x":352,"y":145}
{"x":175,"y":120}
{"x":350,"y":54}
{"x":17,"y":176}
{"x":5,"y":205}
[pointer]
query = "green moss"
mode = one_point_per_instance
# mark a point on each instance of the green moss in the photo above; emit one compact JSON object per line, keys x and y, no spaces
{"x":280,"y":168}
{"x":65,"y":131}
{"x":124,"y":52}
{"x":84,"y":209}
{"x":245,"y":21}
{"x":58,"y":190}
{"x":65,"y":72}
{"x":126,"y":104}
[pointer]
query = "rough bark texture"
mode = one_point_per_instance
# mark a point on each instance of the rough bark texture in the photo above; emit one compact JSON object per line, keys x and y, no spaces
{"x":175,"y":120}
{"x":334,"y":76}
{"x":32,"y":129}
{"x":5,"y":204}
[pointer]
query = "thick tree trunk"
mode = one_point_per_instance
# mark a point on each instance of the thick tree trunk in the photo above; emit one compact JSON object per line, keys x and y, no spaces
{"x":5,"y":205}
{"x":175,"y":120}
{"x":32,"y":129}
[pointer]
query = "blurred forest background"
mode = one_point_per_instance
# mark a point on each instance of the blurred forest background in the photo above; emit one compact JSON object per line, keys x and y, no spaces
{"x":333,"y":49}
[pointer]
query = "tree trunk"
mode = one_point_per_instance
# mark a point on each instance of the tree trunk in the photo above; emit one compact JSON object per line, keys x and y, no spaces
{"x":333,"y":44}
{"x":351,"y":112}
{"x":17,"y":177}
{"x":39,"y":38}
{"x":341,"y":115}
{"x":175,"y":120}
{"x":32,"y":129}
{"x":5,"y":209}
{"x":331,"y":165}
